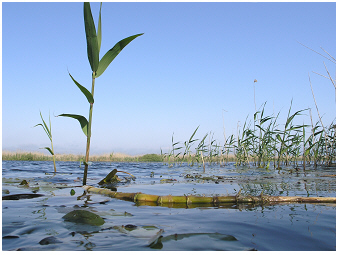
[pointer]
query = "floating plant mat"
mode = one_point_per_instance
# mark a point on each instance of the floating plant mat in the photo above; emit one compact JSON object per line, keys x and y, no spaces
{"x":37,"y":223}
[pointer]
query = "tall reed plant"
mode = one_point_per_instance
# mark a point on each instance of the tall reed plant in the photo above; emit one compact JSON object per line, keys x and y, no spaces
{"x":93,"y":40}
{"x":261,"y":141}
{"x":48,"y":131}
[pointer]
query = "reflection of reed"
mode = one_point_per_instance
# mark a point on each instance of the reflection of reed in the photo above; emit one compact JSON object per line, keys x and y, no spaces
{"x":288,"y":186}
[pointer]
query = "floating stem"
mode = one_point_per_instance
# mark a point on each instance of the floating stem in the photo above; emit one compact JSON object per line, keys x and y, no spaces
{"x":216,"y":200}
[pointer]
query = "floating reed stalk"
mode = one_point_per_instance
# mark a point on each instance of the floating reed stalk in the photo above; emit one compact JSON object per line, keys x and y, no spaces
{"x":216,"y":200}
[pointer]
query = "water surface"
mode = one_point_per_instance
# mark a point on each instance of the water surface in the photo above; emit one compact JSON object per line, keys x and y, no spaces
{"x":26,"y":223}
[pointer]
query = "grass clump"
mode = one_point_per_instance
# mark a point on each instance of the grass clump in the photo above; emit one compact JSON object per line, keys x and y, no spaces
{"x":25,"y":156}
{"x":150,"y":158}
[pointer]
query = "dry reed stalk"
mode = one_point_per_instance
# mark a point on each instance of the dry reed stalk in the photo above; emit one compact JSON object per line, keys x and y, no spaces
{"x":216,"y":200}
{"x":316,"y":106}
{"x":320,"y":53}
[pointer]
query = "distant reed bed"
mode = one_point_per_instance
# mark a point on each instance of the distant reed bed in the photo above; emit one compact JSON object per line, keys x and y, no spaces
{"x":39,"y":156}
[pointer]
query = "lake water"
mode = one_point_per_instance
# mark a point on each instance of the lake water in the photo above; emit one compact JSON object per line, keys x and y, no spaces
{"x":38,"y":224}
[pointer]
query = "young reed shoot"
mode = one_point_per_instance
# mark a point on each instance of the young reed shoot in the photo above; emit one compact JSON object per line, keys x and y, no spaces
{"x":48,"y":131}
{"x":93,"y":40}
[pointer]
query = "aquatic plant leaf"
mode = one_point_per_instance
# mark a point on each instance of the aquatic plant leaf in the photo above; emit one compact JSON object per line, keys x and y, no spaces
{"x":99,"y":29}
{"x":45,"y":127}
{"x":82,"y":120}
{"x":265,"y":119}
{"x":91,"y":38}
{"x":192,"y":136}
{"x":279,"y":138}
{"x":84,"y":217}
{"x":112,"y":54}
{"x":317,"y":133}
{"x":46,"y":131}
{"x":292,"y":117}
{"x":294,"y":128}
{"x":49,"y":149}
{"x":86,"y":93}
{"x":21,"y":196}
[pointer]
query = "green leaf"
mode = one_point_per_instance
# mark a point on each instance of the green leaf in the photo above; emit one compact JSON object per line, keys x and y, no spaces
{"x":91,"y":38}
{"x":112,"y":53}
{"x":44,"y":129}
{"x":295,"y":127}
{"x":99,"y":29}
{"x":278,"y":137}
{"x":192,"y":136}
{"x":82,"y":120}
{"x":47,"y":148}
{"x":87,"y":93}
{"x":265,"y":119}
{"x":292,"y":117}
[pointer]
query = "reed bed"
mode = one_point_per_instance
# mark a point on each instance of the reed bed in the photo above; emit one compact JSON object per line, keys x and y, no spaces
{"x":262,"y":142}
{"x":39,"y":156}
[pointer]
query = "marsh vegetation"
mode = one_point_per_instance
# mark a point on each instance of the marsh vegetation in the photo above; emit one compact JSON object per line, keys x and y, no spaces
{"x":262,"y":142}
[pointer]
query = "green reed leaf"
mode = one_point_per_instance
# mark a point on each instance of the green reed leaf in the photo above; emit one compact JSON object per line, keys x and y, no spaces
{"x":82,"y":120}
{"x":192,"y":136}
{"x":263,"y":120}
{"x":292,"y":117}
{"x":91,"y":38}
{"x":45,"y":127}
{"x":87,"y":93}
{"x":49,"y":149}
{"x":99,"y":29}
{"x":112,"y":54}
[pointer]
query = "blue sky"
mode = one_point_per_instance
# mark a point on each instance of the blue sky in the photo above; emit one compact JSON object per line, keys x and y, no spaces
{"x":193,"y":61}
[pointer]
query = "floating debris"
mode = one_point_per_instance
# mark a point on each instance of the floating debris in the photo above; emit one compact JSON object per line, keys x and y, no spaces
{"x":10,"y":237}
{"x":216,"y":200}
{"x":49,"y":240}
{"x":24,"y":182}
{"x":21,"y":196}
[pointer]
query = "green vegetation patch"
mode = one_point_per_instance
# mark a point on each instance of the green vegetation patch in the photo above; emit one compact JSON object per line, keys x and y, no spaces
{"x":85,"y":217}
{"x":151,"y":158}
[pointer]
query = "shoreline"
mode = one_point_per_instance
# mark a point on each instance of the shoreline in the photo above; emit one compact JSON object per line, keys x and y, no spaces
{"x":39,"y":156}
{"x":116,"y":157}
{"x":107,"y":157}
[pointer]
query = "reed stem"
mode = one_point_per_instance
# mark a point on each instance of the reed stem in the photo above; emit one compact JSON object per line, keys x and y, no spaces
{"x":187,"y":200}
{"x":89,"y":132}
{"x":53,"y":156}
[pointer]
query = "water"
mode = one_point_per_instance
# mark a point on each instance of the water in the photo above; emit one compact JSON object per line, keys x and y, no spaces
{"x":26,"y":223}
